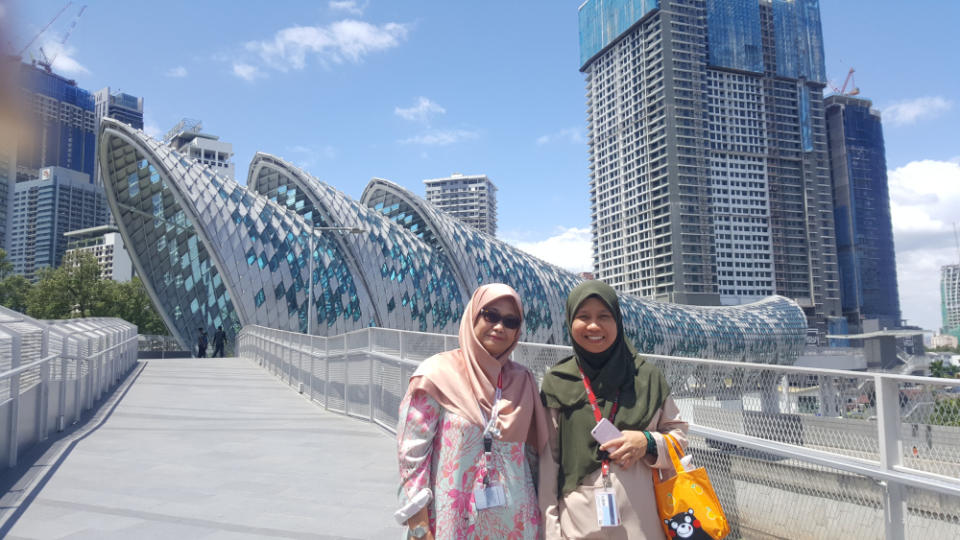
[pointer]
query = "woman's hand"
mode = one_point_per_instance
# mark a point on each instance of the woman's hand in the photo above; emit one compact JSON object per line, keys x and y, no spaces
{"x":626,"y":449}
{"x":422,"y":517}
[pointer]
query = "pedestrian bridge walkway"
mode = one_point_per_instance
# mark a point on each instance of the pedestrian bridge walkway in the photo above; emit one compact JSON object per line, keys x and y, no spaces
{"x":210,"y":448}
{"x":293,"y":439}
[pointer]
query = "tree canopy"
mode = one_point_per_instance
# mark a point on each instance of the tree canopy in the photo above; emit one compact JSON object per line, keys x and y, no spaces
{"x":75,"y":289}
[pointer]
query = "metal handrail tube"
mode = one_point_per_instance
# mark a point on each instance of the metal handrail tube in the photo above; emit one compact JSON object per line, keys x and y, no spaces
{"x":938,"y":483}
{"x":804,"y":370}
{"x":26,"y":367}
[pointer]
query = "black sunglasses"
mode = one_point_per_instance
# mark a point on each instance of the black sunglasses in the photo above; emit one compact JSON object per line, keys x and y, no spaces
{"x":493,"y":317}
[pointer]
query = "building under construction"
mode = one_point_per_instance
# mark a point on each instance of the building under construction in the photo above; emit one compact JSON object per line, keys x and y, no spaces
{"x":861,"y":199}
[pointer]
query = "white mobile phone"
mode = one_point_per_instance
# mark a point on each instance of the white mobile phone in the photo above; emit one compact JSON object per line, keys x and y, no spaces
{"x":604,"y":431}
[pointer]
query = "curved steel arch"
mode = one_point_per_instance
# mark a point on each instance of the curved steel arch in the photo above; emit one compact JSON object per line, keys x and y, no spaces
{"x":421,"y":214}
{"x":208,"y":247}
{"x":312,"y":206}
{"x":114,"y":135}
{"x":417,"y":283}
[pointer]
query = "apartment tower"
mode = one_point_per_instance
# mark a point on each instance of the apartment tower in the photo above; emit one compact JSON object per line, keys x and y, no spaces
{"x":861,"y":213}
{"x":471,"y":199}
{"x":708,"y":151}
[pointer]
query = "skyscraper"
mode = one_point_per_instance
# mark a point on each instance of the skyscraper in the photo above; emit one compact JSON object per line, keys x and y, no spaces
{"x":60,"y":126}
{"x":708,"y":152}
{"x":188,"y":138}
{"x":950,"y":299}
{"x":472,"y":199}
{"x":119,"y":106}
{"x":58,"y":201}
{"x":861,"y":199}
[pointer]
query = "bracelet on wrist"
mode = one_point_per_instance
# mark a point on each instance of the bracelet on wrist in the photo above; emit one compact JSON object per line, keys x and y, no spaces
{"x":651,"y":444}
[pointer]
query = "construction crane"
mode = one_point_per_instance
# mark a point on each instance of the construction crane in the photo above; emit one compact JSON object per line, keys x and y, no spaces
{"x":44,"y":29}
{"x":843,"y":90}
{"x":47,"y":62}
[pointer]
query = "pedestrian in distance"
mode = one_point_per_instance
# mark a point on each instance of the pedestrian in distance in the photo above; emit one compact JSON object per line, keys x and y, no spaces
{"x":470,"y":431}
{"x":219,"y":339}
{"x":609,"y":411}
{"x":202,"y":343}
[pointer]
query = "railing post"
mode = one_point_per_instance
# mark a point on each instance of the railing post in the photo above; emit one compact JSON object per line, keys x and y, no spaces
{"x":313,"y":357}
{"x":891,"y":452}
{"x":13,"y":431}
{"x":44,"y":398}
{"x":346,"y":375}
{"x":105,"y":343}
{"x":370,"y":359}
{"x":300,"y":368}
{"x":62,"y":402}
{"x":326,"y":374}
{"x":91,"y":367}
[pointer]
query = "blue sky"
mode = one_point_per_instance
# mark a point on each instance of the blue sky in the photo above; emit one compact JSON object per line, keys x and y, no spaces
{"x":421,"y":89}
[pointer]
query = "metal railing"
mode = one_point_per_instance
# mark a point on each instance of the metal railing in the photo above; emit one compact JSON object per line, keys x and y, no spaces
{"x":781,"y":444}
{"x":52,"y":371}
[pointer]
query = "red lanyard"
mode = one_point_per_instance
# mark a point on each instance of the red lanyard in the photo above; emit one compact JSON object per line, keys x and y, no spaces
{"x":605,"y":466}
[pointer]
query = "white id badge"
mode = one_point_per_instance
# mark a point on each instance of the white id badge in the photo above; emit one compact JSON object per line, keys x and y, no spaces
{"x":489,"y":496}
{"x":607,"y":515}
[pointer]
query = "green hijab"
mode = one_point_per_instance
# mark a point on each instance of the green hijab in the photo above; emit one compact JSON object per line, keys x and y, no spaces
{"x":617,"y":371}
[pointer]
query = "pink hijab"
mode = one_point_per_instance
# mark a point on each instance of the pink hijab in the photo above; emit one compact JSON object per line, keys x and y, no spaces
{"x":464,"y":380}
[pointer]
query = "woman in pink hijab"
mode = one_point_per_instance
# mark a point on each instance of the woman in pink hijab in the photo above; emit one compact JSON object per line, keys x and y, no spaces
{"x":471,"y":428}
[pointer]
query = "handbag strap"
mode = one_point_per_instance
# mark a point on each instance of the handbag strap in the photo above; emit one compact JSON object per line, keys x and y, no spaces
{"x":673,"y":448}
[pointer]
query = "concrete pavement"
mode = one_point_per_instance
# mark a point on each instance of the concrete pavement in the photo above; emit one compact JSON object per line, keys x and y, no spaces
{"x":211,"y":449}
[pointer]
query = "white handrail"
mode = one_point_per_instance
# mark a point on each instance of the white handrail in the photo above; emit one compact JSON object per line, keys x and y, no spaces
{"x":881,"y":439}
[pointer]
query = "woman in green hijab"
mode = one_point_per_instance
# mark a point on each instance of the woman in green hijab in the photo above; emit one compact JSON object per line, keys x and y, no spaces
{"x":607,"y":388}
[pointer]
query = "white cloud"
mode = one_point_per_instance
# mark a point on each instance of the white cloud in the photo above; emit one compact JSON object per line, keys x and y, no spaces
{"x":152,"y":129}
{"x":63,"y":60}
{"x":924,"y":203}
{"x":571,"y":135}
{"x":421,"y":112}
{"x":178,"y":72}
{"x":349,"y":6}
{"x":911,"y":111}
{"x":343,"y":41}
{"x":442,"y":137}
{"x":246,"y":71}
{"x":570,"y":249}
{"x":307,"y":157}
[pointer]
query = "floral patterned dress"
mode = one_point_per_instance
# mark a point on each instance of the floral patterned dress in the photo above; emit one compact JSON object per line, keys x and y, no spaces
{"x":442,"y":452}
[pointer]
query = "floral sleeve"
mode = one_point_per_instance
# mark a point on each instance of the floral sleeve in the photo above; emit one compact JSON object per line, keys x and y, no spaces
{"x":419,"y":417}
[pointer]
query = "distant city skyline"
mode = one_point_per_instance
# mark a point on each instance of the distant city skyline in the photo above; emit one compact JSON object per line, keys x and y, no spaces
{"x":345,"y":90}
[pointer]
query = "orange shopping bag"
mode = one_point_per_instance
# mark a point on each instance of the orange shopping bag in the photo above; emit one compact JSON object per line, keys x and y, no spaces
{"x":687,"y":503}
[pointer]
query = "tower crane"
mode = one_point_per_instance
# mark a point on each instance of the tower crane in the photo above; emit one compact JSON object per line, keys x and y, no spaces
{"x":843,"y":90}
{"x":44,"y":29}
{"x":47,"y":62}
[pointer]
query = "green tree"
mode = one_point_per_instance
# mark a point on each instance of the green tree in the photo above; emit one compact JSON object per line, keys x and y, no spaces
{"x":14,"y":288}
{"x":946,"y":412}
{"x":14,"y":291}
{"x":6,"y":267}
{"x":130,"y":302}
{"x":73,"y":289}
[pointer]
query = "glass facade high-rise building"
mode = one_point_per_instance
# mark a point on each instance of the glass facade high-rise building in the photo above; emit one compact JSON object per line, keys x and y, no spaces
{"x":708,"y":151}
{"x":470,"y":198}
{"x":861,"y":202}
{"x":58,"y":201}
{"x":60,"y":125}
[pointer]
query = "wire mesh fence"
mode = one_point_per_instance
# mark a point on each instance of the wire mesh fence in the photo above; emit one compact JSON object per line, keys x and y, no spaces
{"x":781,"y":444}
